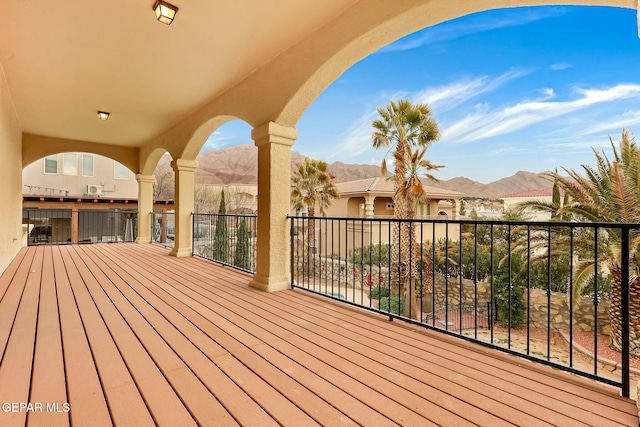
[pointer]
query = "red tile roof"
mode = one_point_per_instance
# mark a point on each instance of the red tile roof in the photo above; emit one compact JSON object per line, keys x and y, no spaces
{"x":543,"y":192}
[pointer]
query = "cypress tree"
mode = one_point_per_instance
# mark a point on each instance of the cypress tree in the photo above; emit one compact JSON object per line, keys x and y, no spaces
{"x":221,"y":238}
{"x":242,"y":259}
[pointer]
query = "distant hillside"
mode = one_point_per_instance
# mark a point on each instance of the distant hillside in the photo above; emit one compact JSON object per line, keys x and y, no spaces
{"x":239,"y":165}
{"x":519,"y":182}
{"x":468,"y":187}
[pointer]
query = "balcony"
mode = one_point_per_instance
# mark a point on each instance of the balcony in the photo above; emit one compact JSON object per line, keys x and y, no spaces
{"x":124,"y":334}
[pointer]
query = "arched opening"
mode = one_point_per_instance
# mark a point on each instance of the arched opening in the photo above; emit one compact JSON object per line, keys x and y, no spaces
{"x":78,"y":197}
{"x":512,"y":89}
{"x":79,"y":174}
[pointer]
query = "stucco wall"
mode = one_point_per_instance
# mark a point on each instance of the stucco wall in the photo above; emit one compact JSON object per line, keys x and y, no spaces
{"x":103,"y":176}
{"x":10,"y":176}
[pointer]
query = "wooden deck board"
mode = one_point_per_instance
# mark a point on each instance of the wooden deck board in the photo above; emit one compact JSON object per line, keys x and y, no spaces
{"x":343,"y":373}
{"x":309,"y":376}
{"x":82,"y":379}
{"x":204,"y":407}
{"x":468,"y":372}
{"x":532,"y":400}
{"x":136,"y":337}
{"x":289,"y":405}
{"x":164,"y":404}
{"x":126,"y":405}
{"x":48,"y":378}
{"x":17,"y":360}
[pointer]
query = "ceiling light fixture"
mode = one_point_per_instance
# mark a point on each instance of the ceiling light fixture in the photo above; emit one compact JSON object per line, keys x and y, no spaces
{"x":103,"y":115}
{"x":165,"y":12}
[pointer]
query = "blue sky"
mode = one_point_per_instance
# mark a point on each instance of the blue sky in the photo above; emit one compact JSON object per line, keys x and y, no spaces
{"x":514,"y":89}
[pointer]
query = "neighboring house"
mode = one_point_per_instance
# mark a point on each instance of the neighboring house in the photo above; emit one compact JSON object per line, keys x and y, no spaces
{"x":373,"y":198}
{"x":543,"y":195}
{"x":79,"y":197}
{"x":489,"y":209}
{"x":79,"y":174}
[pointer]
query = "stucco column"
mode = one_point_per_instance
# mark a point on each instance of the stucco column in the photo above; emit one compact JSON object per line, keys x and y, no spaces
{"x":454,"y":206}
{"x":75,"y":225}
{"x":145,"y":207}
{"x":368,"y":206}
{"x":274,"y":198}
{"x":185,"y":174}
{"x":433,"y":208}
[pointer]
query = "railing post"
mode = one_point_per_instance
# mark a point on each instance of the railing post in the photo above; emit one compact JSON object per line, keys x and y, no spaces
{"x":624,"y":289}
{"x":291,"y":249}
{"x":193,"y":232}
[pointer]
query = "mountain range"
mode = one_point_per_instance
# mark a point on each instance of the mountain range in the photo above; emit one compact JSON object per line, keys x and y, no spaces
{"x":239,"y":165}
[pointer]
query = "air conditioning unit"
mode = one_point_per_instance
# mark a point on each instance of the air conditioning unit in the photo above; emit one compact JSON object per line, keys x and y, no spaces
{"x":93,"y":190}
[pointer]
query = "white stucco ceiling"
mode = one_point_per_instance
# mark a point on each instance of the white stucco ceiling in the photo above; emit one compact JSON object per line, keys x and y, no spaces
{"x":65,"y":60}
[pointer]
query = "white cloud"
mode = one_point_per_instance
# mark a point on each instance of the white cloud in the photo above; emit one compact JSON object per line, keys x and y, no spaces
{"x":509,"y":150}
{"x":357,"y":139}
{"x":218,"y":140}
{"x":473,"y":24}
{"x":448,"y":97}
{"x":561,"y":66}
{"x":614,"y":125}
{"x":547,"y":93}
{"x":486,"y":123}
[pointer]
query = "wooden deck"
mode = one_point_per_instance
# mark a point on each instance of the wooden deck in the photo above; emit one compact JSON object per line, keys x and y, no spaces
{"x":124,"y":334}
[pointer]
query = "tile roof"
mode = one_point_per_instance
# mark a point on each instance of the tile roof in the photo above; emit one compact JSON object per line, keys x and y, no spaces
{"x":541,"y":192}
{"x":383,"y":185}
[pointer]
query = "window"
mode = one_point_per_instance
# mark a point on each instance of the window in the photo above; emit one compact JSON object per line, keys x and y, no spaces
{"x":120,"y":171}
{"x":51,"y":164}
{"x":87,"y":165}
{"x":69,"y":164}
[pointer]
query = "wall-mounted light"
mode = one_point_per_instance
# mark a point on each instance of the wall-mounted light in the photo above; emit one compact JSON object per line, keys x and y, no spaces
{"x":165,"y":12}
{"x":103,"y":115}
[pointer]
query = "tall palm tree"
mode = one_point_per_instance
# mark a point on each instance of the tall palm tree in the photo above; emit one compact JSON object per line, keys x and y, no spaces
{"x":312,"y":186}
{"x":412,"y":191}
{"x":403,"y":126}
{"x":610,"y":192}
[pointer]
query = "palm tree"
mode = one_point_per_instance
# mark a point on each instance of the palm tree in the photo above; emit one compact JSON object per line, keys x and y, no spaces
{"x":412,"y":192}
{"x":312,"y":186}
{"x":403,"y":126}
{"x":610,"y":192}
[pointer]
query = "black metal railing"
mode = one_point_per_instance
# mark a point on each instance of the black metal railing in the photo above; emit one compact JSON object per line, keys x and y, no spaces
{"x":62,"y":226}
{"x":227,"y":239}
{"x":163,"y":228}
{"x":546,"y":291}
{"x":98,"y":226}
{"x":464,"y":316}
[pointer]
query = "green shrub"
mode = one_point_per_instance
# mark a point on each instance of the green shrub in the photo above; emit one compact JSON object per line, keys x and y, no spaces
{"x":393,"y":304}
{"x":513,"y":303}
{"x":379,"y":292}
{"x":370,"y":255}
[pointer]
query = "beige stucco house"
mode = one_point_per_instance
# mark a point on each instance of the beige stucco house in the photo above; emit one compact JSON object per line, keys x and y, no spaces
{"x":79,"y":174}
{"x":167,"y":88}
{"x":372,"y":198}
{"x":544,"y":195}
